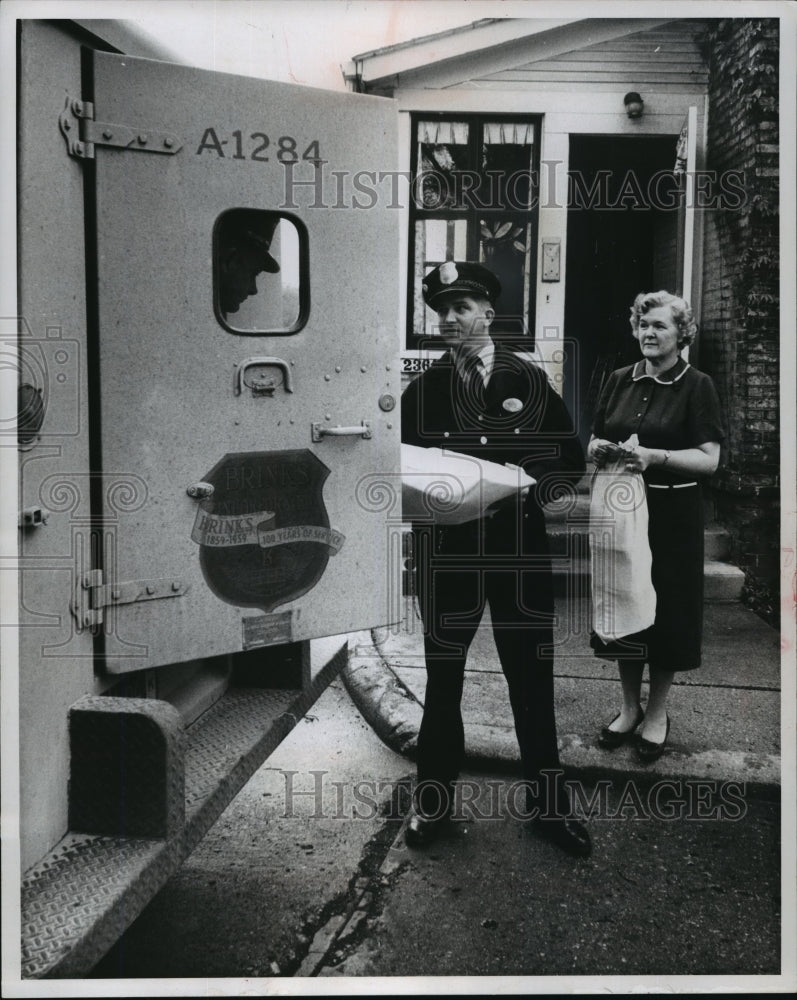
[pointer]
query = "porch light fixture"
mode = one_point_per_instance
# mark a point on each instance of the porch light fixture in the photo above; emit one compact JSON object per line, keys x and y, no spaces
{"x":634,"y":104}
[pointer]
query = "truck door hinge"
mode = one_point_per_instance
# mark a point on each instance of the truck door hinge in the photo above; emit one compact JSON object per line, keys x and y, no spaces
{"x":82,"y":133}
{"x":93,"y":595}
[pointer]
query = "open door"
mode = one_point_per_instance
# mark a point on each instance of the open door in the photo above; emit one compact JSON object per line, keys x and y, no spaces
{"x":685,"y":164}
{"x":247,"y":360}
{"x":613,"y":253}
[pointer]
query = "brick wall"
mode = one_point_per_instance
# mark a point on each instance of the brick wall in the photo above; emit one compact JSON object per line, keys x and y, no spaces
{"x":740,"y":323}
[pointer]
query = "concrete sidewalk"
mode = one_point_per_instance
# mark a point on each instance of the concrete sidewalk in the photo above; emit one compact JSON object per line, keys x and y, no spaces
{"x":725,"y":716}
{"x":657,"y":901}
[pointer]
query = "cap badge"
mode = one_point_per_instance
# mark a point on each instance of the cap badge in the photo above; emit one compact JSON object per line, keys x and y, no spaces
{"x":448,"y":272}
{"x":512,"y":405}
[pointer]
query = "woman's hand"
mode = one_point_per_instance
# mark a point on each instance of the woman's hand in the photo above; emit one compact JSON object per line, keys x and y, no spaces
{"x":600,"y":450}
{"x":638,"y":459}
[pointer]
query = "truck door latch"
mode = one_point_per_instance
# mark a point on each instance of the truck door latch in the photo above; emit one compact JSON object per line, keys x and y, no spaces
{"x":262,"y":383}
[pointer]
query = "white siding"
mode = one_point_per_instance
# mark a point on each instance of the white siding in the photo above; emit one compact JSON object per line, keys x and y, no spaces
{"x":666,"y":59}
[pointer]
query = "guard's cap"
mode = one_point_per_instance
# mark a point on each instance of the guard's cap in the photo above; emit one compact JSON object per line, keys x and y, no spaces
{"x":460,"y":276}
{"x":254,"y":228}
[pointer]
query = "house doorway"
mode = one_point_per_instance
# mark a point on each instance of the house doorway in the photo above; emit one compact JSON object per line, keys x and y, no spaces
{"x":622,"y":239}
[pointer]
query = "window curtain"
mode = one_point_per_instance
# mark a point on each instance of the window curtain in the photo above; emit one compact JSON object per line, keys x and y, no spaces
{"x":508,"y":134}
{"x":440,"y":133}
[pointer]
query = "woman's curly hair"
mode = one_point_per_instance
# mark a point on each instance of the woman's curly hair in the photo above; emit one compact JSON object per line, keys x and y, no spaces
{"x":679,"y":308}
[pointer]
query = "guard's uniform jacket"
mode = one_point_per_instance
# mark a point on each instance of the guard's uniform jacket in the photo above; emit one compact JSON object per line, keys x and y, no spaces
{"x":501,"y":559}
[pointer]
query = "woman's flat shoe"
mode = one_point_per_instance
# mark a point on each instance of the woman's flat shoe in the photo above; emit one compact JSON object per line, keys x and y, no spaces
{"x":647,"y":751}
{"x":611,"y":740}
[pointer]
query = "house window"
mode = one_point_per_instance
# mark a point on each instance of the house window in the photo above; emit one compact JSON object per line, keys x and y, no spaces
{"x":475,"y":197}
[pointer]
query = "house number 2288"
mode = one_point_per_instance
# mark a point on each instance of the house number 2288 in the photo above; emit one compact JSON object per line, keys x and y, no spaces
{"x":257,"y":146}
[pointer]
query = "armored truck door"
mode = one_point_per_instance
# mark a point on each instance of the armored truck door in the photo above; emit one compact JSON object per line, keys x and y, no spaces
{"x":247,"y":381}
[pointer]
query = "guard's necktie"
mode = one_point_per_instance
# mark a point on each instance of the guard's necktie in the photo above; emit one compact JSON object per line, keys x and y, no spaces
{"x":474,"y":379}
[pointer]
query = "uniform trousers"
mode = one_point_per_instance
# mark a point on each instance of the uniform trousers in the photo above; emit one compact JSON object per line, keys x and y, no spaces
{"x":503,"y":562}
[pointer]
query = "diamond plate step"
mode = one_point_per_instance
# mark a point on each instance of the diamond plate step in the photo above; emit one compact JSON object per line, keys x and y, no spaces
{"x":81,"y":896}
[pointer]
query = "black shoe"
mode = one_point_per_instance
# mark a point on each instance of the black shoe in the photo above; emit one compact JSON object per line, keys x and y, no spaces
{"x":569,"y":834}
{"x":611,"y":740}
{"x":647,"y":751}
{"x":421,"y":830}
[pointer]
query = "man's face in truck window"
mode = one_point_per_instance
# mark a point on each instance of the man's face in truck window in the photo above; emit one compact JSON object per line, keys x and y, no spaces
{"x":240,"y":265}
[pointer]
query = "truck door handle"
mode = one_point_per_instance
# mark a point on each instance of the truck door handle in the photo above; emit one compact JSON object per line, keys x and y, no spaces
{"x":240,"y":371}
{"x":320,"y":431}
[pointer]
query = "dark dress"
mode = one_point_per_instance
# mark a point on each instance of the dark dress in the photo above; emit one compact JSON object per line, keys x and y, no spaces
{"x":678,"y":409}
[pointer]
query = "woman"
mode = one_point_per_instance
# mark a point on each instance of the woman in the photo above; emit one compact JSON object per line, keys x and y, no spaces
{"x":674,"y":411}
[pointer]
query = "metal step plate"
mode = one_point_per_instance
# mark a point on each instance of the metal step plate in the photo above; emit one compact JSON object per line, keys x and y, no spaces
{"x":79,"y":898}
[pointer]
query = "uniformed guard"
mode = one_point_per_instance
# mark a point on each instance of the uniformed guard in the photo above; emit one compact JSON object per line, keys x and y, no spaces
{"x":484,"y":398}
{"x":242,"y":252}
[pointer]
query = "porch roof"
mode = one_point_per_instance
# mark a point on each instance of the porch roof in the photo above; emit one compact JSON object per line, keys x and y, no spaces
{"x":485,"y":49}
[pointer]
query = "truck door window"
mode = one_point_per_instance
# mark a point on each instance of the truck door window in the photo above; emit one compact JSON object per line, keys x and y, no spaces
{"x":260,"y":275}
